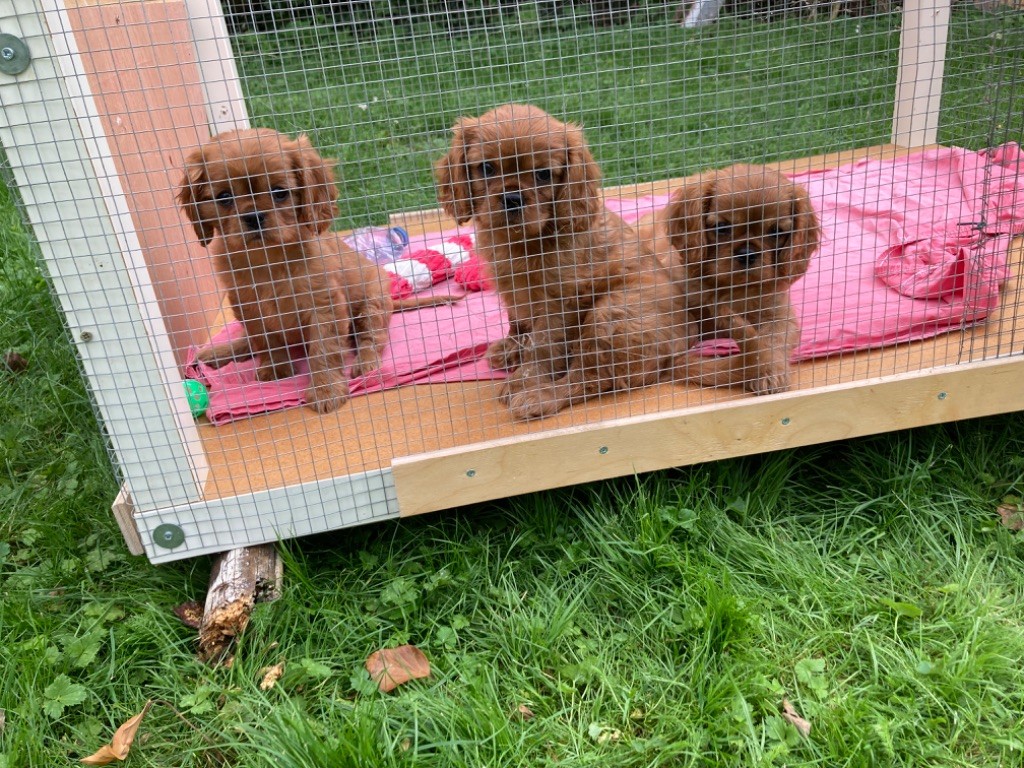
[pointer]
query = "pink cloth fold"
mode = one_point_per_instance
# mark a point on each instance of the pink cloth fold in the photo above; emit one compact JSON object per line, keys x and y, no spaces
{"x":431,"y":345}
{"x":911,"y":247}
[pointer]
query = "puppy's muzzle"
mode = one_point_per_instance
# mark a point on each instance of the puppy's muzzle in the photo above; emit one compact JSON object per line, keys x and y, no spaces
{"x":512,"y":202}
{"x":254,"y":221}
{"x":746,"y":257}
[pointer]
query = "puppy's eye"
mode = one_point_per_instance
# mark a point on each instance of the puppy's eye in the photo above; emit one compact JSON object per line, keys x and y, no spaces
{"x":779,"y":235}
{"x":279,"y":194}
{"x":224,"y":199}
{"x":542,"y":175}
{"x":722,"y":230}
{"x":486,"y":170}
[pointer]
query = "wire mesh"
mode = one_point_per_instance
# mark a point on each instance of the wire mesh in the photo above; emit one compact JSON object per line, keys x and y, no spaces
{"x":605,"y":258}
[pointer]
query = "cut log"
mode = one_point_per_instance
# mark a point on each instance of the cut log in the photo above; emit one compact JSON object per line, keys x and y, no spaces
{"x":239,"y":579}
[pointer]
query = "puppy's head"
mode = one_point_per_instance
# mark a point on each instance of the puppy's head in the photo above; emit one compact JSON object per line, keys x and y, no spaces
{"x":257,"y":188}
{"x":743,"y":226}
{"x":518,"y":169}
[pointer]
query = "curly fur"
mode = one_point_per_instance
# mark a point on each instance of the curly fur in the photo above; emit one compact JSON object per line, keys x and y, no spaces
{"x":263,"y":203}
{"x":742,"y":235}
{"x":590,"y":311}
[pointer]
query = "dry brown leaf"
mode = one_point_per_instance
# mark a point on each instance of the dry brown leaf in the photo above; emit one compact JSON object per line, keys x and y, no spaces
{"x":799,"y":723}
{"x":14,"y":362}
{"x":524,"y":712}
{"x":1012,"y":517}
{"x":271,"y":675}
{"x":390,"y":667}
{"x":119,"y":746}
{"x":190,"y":613}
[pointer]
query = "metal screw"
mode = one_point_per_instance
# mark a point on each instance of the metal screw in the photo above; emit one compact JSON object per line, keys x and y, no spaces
{"x":85,"y":335}
{"x":471,"y":473}
{"x":603,"y":449}
{"x":785,"y":421}
{"x":7,"y":53}
{"x":942,"y":395}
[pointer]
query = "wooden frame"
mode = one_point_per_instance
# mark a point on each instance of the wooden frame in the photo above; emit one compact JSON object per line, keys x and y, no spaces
{"x":126,"y":260}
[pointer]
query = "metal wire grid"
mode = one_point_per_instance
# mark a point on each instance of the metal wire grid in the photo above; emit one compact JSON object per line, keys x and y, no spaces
{"x":377,"y":87}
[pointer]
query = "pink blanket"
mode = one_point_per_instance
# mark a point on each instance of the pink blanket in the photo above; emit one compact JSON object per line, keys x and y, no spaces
{"x":910,"y":248}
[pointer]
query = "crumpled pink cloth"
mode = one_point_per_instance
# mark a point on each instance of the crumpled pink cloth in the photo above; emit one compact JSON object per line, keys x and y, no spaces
{"x":910,"y":247}
{"x":427,"y":346}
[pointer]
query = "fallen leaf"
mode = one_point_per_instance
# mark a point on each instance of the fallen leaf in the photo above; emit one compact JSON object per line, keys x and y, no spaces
{"x":524,"y":712}
{"x":190,"y":613}
{"x":1012,"y":516}
{"x":119,"y":746}
{"x":390,"y":667}
{"x":270,"y":676}
{"x":602,"y":734}
{"x":798,"y":722}
{"x":14,"y":362}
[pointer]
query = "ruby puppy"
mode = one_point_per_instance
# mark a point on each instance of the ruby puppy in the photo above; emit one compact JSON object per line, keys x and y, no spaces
{"x":742,"y":235}
{"x":590,"y":310}
{"x":263,"y":203}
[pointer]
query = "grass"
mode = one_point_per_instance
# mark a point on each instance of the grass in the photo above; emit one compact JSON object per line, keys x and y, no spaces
{"x":653,"y":621}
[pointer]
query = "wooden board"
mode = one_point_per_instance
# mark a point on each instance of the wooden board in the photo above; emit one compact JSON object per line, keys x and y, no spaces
{"x":140,"y":62}
{"x":432,"y":435}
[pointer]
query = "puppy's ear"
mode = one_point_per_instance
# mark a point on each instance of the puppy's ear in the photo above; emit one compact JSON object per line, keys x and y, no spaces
{"x":684,"y":217}
{"x":806,"y":234}
{"x":194,"y":179}
{"x":319,"y":193}
{"x":452,"y":174}
{"x":582,"y":188}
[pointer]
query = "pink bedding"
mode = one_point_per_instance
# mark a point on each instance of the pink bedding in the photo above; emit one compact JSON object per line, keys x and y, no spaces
{"x":910,"y":248}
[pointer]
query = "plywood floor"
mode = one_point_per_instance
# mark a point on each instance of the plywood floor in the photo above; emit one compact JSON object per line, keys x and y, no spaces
{"x":299,"y":445}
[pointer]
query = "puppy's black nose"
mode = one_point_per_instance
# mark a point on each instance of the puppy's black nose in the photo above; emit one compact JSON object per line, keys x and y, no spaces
{"x":746,"y":256}
{"x":253,"y":221}
{"x":512,"y":201}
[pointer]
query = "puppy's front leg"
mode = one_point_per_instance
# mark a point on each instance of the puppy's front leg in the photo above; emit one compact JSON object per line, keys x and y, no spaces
{"x":328,"y":387}
{"x":544,"y":357}
{"x":217,"y":355}
{"x":507,"y":354}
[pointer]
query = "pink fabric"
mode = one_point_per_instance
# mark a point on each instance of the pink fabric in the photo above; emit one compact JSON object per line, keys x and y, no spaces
{"x":427,"y":346}
{"x":910,"y":248}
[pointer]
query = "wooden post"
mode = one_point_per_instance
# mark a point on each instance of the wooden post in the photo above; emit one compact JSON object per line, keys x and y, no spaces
{"x":915,"y":121}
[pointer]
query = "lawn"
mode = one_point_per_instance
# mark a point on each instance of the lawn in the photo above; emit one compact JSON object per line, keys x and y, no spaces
{"x":652,"y":621}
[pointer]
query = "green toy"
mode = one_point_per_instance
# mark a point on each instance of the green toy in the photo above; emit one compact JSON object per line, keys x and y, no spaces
{"x":198,"y":397}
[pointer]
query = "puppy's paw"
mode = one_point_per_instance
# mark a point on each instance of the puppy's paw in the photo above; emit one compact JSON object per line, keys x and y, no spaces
{"x":368,"y":362}
{"x":272,"y":371}
{"x":535,"y":404}
{"x":326,"y":393}
{"x":505,"y":355}
{"x":768,"y":381}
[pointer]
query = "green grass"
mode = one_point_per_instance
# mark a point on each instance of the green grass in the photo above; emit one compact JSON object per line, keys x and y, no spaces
{"x":654,"y":621}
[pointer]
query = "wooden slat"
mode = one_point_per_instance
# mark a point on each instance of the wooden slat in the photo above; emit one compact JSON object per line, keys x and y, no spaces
{"x":756,"y":425}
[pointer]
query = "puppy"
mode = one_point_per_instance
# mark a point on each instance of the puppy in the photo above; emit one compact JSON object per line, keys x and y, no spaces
{"x":263,"y":203}
{"x":743,"y":235}
{"x":590,"y":311}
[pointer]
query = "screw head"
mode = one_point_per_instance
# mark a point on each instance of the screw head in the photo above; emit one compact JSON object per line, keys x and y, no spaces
{"x":168,"y":536}
{"x":603,"y":449}
{"x":85,"y":335}
{"x":14,"y":55}
{"x":470,"y":473}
